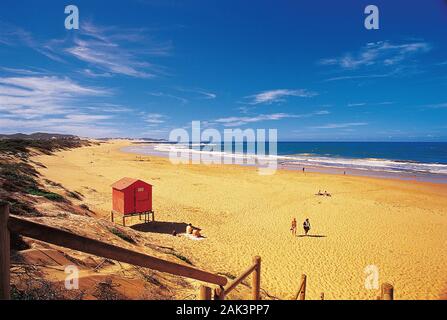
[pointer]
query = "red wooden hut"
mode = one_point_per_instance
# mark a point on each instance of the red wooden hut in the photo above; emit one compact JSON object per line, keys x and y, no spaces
{"x":132,"y":197}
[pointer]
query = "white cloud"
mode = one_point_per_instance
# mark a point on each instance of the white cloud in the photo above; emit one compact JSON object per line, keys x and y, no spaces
{"x":199,"y":93}
{"x":111,"y":50}
{"x":208,"y":95}
{"x":108,"y":107}
{"x":279,"y":95}
{"x":167,"y":95}
{"x":437,"y":106}
{"x":369,"y":76}
{"x":29,"y":97}
{"x":50,"y":103}
{"x":154,"y":118}
{"x":92,"y":74}
{"x":382,"y":53}
{"x":360,"y":104}
{"x":24,"y":72}
{"x":341,"y":125}
{"x":240,"y":121}
{"x":117,"y":50}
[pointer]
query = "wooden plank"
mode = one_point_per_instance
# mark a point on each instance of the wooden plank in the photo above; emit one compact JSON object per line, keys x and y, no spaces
{"x":301,"y":294}
{"x":76,"y":242}
{"x":5,"y":254}
{"x":239,"y":279}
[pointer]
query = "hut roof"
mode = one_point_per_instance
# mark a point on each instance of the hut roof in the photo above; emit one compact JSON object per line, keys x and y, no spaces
{"x":124,"y":183}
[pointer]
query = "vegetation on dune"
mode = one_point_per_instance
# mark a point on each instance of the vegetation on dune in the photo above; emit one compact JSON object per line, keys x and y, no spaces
{"x":19,"y":177}
{"x":42,"y":193}
{"x":123,"y":235}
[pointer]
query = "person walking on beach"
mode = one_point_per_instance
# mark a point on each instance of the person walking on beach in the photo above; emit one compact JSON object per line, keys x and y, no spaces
{"x":306,"y":226}
{"x":293,"y":228}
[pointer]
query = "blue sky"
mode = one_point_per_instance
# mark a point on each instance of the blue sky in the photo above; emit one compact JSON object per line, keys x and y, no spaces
{"x":310,"y":69}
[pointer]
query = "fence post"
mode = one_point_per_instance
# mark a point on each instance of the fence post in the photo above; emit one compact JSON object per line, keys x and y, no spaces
{"x":219,"y":294}
{"x":5,"y":276}
{"x":256,"y":279}
{"x":302,"y":293}
{"x":205,"y":293}
{"x":387,"y":291}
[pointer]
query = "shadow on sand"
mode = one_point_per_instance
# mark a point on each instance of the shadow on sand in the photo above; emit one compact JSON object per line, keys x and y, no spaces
{"x":160,"y":227}
{"x":311,"y":236}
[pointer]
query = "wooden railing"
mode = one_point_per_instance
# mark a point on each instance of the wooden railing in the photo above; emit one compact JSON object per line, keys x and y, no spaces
{"x":72,"y":241}
{"x":221,"y":292}
{"x":386,"y":291}
{"x":301,"y":294}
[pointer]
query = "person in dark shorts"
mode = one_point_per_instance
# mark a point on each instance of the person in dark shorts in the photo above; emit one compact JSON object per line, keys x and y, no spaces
{"x":306,"y":226}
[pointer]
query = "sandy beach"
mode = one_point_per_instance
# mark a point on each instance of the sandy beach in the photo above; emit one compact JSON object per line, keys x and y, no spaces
{"x":398,"y":226}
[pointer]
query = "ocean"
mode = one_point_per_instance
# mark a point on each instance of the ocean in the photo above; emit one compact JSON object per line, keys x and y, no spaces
{"x":425,"y":161}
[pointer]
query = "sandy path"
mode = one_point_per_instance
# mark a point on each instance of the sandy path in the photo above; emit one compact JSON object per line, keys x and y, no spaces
{"x":401,"y":227}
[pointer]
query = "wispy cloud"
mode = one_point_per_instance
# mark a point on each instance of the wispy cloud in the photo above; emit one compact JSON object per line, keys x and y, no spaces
{"x":168,"y":95}
{"x":108,"y":107}
{"x":184,"y":95}
{"x":92,"y":74}
{"x":360,"y":77}
{"x":198,"y":93}
{"x":341,"y":125}
{"x":117,"y":51}
{"x":49,"y":103}
{"x":14,"y":36}
{"x":241,"y":121}
{"x":360,"y":104}
{"x":154,"y":118}
{"x":382,"y":53}
{"x":278,"y":95}
{"x":111,"y":50}
{"x":437,"y":106}
{"x":36,"y":96}
{"x":25,"y":72}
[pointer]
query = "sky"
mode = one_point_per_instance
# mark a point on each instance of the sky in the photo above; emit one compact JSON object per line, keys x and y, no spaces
{"x":309,"y":69}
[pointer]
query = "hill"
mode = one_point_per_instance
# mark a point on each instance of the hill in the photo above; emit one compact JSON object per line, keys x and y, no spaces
{"x":39,"y":136}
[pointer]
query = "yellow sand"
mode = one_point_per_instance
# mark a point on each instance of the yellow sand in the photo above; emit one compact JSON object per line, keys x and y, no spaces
{"x":398,"y":226}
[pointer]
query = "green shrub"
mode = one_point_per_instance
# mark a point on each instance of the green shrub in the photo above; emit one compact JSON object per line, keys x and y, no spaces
{"x":122,"y":235}
{"x":49,"y":195}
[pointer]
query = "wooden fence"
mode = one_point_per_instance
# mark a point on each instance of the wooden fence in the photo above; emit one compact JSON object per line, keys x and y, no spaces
{"x":221,"y":292}
{"x":301,"y":294}
{"x":69,"y":240}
